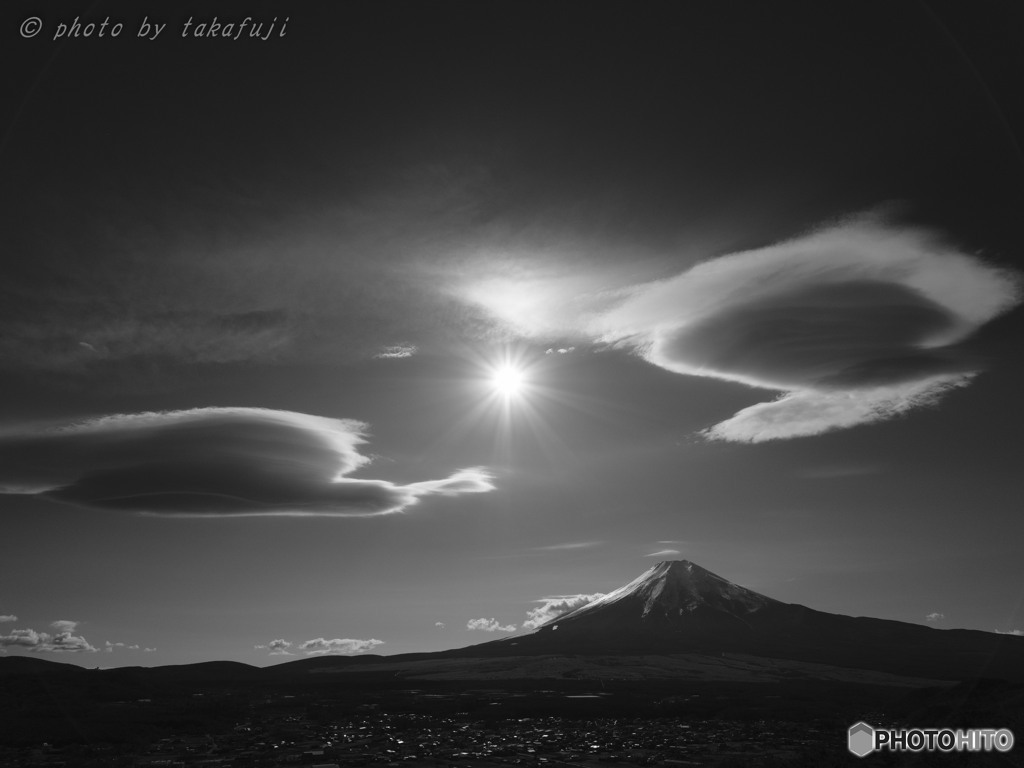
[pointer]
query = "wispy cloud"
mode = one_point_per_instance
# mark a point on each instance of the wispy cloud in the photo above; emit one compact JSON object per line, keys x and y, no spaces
{"x":342,"y":280}
{"x":276,"y":647}
{"x":439,"y":624}
{"x":664,"y":553}
{"x":489,"y":625}
{"x":839,"y":471}
{"x":852,"y":324}
{"x":855,"y":323}
{"x":338,"y":646}
{"x":8,"y":618}
{"x":213,"y":462}
{"x":551,"y":608}
{"x":1017,"y":632}
{"x":396,"y":352}
{"x":109,"y":647}
{"x":801,"y":414}
{"x":569,"y":545}
{"x":935,"y":617}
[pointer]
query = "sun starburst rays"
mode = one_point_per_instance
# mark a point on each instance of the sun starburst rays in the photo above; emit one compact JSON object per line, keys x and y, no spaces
{"x":509,"y":381}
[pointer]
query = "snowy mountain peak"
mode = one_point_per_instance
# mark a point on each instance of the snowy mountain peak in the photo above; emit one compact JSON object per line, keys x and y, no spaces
{"x":675,"y":588}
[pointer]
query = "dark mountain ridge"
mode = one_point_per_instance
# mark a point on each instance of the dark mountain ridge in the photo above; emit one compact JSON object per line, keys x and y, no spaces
{"x":674,"y":608}
{"x":679,"y":607}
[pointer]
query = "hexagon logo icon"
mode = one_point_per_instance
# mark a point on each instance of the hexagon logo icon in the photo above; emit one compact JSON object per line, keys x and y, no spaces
{"x":860,"y":739}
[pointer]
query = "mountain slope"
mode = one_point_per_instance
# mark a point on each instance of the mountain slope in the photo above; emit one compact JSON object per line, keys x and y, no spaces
{"x":679,"y":607}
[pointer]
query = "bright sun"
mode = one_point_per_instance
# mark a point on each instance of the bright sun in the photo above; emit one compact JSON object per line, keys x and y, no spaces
{"x":508,"y":381}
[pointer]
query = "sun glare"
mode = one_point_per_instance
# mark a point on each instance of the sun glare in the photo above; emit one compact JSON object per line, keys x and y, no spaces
{"x":508,"y":381}
{"x":512,"y":398}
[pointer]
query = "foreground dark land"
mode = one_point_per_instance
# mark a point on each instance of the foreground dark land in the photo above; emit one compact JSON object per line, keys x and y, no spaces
{"x":225,"y":715}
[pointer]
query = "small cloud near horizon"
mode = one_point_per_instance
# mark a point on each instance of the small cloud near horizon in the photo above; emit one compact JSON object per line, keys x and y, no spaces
{"x":276,"y":647}
{"x":63,"y":641}
{"x":8,"y":618}
{"x":935,"y":617}
{"x":109,"y":646}
{"x":1017,"y":632}
{"x":664,"y":553}
{"x":489,"y":625}
{"x":338,"y":646}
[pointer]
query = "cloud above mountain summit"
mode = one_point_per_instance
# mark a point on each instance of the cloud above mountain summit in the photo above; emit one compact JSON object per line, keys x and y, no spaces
{"x":213,"y":462}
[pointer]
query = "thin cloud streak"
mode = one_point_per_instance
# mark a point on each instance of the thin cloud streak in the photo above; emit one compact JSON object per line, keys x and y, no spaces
{"x":569,"y":546}
{"x":213,"y":462}
{"x":396,"y":352}
{"x":838,"y":471}
{"x":664,"y":553}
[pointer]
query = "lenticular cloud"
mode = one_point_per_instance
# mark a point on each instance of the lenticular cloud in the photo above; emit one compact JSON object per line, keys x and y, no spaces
{"x":213,"y":462}
{"x":853,"y":324}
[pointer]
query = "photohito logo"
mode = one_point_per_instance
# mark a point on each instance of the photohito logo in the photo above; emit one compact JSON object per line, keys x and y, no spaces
{"x":860,"y":739}
{"x":863,"y":739}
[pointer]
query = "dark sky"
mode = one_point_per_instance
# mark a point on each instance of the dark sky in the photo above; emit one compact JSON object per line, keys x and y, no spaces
{"x":758,"y":264}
